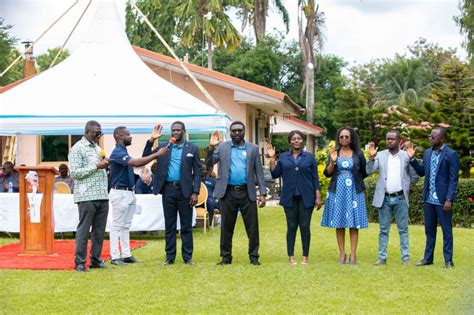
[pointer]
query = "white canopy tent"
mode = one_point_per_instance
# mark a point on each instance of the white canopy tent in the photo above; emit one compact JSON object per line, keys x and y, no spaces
{"x":104,"y":80}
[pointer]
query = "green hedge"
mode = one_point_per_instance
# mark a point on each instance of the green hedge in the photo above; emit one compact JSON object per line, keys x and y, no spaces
{"x":463,"y":212}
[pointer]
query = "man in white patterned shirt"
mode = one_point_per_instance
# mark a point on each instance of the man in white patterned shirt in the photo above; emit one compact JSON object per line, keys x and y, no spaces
{"x":88,"y":169}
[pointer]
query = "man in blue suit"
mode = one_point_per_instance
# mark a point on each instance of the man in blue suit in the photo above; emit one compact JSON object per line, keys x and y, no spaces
{"x":440,"y":168}
{"x":178,"y":179}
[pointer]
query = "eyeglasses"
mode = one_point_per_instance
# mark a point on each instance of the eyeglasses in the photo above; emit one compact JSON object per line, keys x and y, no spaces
{"x":344,"y":137}
{"x":98,"y":133}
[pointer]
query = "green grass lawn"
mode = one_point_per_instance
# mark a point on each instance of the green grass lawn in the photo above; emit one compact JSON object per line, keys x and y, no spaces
{"x":274,"y":287}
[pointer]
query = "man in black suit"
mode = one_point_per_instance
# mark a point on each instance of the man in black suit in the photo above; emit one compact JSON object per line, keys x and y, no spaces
{"x":178,"y":179}
{"x":239,"y":169}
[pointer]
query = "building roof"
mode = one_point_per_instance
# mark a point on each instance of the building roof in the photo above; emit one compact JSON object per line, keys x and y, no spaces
{"x":284,"y":125}
{"x":222,"y":79}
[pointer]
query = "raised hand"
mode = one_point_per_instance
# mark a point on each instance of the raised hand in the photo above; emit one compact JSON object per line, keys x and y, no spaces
{"x":270,"y":151}
{"x":372,"y":150}
{"x":156,"y":133}
{"x":214,"y":141}
{"x":410,"y":149}
{"x":333,"y":155}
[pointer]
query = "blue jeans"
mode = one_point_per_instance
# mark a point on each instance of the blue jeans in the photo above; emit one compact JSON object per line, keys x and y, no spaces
{"x":397,"y":207}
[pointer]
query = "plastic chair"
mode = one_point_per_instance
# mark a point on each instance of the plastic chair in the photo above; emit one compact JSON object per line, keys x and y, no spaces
{"x":62,"y":188}
{"x":201,"y":206}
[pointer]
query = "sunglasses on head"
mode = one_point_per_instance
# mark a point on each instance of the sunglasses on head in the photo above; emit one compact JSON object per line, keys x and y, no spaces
{"x":344,"y":137}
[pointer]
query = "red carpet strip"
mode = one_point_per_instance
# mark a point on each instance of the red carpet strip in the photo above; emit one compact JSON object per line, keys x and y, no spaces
{"x":10,"y":257}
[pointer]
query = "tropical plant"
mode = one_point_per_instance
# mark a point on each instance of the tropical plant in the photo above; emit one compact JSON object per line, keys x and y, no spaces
{"x":199,"y":20}
{"x":256,"y":14}
{"x":404,"y":82}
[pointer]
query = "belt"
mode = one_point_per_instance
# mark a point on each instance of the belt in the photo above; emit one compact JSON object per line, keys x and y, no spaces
{"x":237,"y":187}
{"x":174,"y":184}
{"x":395,"y":194}
{"x":123,"y":188}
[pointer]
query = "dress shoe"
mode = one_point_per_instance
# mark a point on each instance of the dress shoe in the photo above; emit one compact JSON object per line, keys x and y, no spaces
{"x":100,"y":265}
{"x":189,"y":262}
{"x":381,"y":262}
{"x":132,"y":260}
{"x":448,"y":265}
{"x":423,"y":263}
{"x":167,"y":262}
{"x":117,"y":262}
{"x":406,"y":262}
{"x":255,"y":262}
{"x":81,"y":268}
{"x":224,"y":262}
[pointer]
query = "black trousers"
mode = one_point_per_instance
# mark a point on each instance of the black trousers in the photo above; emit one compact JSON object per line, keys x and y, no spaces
{"x":298,"y":215}
{"x":175,"y":203}
{"x":232,"y":201}
{"x":91,"y":214}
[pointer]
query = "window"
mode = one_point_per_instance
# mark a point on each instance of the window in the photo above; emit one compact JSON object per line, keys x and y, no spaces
{"x":56,"y":148}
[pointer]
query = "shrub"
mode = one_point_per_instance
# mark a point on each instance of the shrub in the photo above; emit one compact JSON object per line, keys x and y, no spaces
{"x":463,"y":209}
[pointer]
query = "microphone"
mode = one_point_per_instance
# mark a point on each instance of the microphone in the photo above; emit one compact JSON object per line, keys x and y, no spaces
{"x":170,"y":142}
{"x":102,"y":154}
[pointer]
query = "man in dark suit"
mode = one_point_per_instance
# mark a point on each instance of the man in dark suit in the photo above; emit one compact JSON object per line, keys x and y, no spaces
{"x":239,"y":168}
{"x":178,"y":179}
{"x":440,"y":168}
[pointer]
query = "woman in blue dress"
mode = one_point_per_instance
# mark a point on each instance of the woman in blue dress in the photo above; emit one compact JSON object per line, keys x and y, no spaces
{"x":345,"y":205}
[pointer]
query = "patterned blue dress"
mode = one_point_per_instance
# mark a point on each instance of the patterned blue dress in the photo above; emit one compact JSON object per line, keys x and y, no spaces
{"x":345,"y":208}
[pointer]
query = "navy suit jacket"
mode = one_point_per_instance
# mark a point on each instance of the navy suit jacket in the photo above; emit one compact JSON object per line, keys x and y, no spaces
{"x":190,"y":168}
{"x":303,"y":175}
{"x":446,"y":181}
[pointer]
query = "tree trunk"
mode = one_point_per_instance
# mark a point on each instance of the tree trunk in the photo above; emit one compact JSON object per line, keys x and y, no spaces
{"x":209,"y":52}
{"x":260,"y":17}
{"x":310,"y":93}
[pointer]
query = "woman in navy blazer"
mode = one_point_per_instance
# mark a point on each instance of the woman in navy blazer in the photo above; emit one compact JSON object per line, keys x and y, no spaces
{"x":300,"y":191}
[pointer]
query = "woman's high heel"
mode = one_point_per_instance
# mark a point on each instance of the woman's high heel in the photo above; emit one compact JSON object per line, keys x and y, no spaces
{"x":342,"y":262}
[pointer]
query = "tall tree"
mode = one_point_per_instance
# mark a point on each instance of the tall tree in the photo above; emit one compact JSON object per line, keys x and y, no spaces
{"x":310,"y":40}
{"x":161,"y":14}
{"x":207,"y":18}
{"x":258,"y":17}
{"x":455,"y":108}
{"x":465,"y":22}
{"x":8,"y":54}
{"x":44,"y":61}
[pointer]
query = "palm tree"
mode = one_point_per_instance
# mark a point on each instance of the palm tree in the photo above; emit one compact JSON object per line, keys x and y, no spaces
{"x":207,"y":18}
{"x":405,"y":82}
{"x":310,"y":40}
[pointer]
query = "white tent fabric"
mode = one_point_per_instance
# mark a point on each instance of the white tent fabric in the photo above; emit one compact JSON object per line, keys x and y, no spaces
{"x":105,"y":80}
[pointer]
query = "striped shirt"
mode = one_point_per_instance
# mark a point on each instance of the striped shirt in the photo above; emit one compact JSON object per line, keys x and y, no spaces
{"x":90,"y":183}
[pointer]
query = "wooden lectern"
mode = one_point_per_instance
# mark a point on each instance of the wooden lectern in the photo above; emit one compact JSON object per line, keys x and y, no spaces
{"x":37,"y":222}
